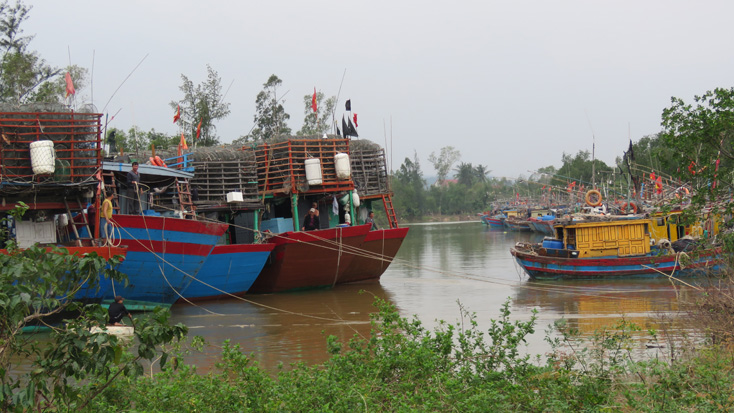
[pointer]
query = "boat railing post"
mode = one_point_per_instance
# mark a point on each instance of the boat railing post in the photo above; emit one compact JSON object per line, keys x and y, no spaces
{"x":294,"y":206}
{"x":351,"y":207}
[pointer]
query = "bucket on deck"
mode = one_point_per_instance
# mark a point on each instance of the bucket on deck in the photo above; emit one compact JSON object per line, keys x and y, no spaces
{"x":43,"y":157}
{"x":313,"y":171}
{"x":343,"y":168}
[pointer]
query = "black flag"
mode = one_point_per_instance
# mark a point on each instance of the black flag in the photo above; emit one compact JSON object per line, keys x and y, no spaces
{"x":338,"y":132}
{"x":629,"y":151}
{"x":352,"y":131}
{"x":345,"y":128}
{"x":349,"y":105}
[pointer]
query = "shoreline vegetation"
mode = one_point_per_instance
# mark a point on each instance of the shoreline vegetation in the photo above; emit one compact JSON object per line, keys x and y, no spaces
{"x":402,"y":365}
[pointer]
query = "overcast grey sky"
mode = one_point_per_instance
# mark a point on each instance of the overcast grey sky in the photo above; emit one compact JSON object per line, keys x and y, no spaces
{"x":511,"y":84}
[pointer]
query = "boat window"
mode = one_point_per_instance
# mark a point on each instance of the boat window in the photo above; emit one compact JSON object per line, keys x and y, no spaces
{"x":660,"y":222}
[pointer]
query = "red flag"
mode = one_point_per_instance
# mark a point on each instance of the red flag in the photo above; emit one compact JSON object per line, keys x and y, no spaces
{"x":355,"y":120}
{"x":69,"y":85}
{"x":198,"y":129}
{"x":183,"y":144}
{"x":177,"y":116}
{"x":313,"y":101}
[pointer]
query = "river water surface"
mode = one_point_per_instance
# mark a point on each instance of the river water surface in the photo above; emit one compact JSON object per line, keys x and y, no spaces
{"x":438,"y":266}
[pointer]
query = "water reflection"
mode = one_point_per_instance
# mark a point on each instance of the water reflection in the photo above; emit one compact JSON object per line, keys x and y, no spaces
{"x":282,"y":328}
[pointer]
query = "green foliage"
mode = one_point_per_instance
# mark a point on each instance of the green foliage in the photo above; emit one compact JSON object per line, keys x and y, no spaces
{"x":579,"y":168}
{"x":402,"y":366}
{"x":203,"y":102}
{"x":320,"y":122}
{"x":37,"y":285}
{"x":443,"y":162}
{"x":136,"y":139}
{"x":24,"y":75}
{"x":699,"y":136}
{"x":270,"y":116}
{"x":409,"y":187}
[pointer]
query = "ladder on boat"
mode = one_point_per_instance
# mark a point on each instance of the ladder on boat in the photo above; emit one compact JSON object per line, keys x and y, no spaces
{"x":390,"y":210}
{"x":73,"y":224}
{"x":184,"y":199}
{"x":110,"y":190}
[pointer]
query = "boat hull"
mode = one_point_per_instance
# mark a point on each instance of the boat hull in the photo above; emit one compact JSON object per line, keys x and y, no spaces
{"x":229,"y":270}
{"x":164,"y":254}
{"x":554,"y":268}
{"x":309,"y":259}
{"x":493,"y":222}
{"x":378,"y":250}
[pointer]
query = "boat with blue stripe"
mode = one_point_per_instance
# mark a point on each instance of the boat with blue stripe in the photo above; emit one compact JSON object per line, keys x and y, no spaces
{"x":616,"y":248}
{"x":230,"y":270}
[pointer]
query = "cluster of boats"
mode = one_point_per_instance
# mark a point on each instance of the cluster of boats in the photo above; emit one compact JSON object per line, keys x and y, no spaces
{"x":242,"y":235}
{"x":596,"y":245}
{"x":530,"y":220}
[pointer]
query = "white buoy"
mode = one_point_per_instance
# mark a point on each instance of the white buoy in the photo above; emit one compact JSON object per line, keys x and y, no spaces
{"x":43,"y":157}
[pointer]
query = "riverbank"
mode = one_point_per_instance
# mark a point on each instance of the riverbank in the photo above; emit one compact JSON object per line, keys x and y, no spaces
{"x":402,"y":366}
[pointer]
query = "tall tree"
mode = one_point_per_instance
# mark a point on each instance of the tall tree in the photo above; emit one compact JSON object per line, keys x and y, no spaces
{"x":444,"y":161}
{"x":270,"y":116}
{"x":202,"y":103}
{"x":317,"y":123}
{"x":22,"y":71}
{"x":701,"y":136}
{"x":409,"y":187}
{"x":465,"y":174}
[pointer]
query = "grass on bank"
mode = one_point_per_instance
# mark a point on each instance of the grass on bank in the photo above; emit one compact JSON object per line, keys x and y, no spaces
{"x":402,"y":366}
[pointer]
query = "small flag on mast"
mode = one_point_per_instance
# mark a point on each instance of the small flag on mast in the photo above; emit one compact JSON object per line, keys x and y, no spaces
{"x":183,"y":144}
{"x":355,"y":120}
{"x":198,"y":129}
{"x":177,"y":116}
{"x":69,"y":85}
{"x":349,"y":105}
{"x":314,"y":106}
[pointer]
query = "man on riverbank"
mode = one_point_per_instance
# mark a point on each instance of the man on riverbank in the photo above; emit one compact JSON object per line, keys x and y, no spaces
{"x":117,"y":310}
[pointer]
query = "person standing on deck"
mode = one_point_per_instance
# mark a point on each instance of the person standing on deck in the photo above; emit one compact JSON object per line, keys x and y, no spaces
{"x":371,"y":220}
{"x":133,"y":191}
{"x":311,"y":221}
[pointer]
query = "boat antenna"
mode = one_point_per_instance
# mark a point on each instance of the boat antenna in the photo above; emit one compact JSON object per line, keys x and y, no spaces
{"x":333,"y":110}
{"x":125,"y":80}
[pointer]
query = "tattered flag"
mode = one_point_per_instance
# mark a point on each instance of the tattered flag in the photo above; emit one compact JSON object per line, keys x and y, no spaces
{"x":355,"y":120}
{"x":69,"y":85}
{"x":177,"y":116}
{"x":183,"y":144}
{"x":352,"y":131}
{"x":345,"y":128}
{"x":313,"y":101}
{"x":198,"y":129}
{"x":349,"y":105}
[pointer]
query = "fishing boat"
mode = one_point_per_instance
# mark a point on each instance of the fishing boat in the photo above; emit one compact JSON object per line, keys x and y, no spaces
{"x":50,"y":160}
{"x":229,"y":270}
{"x":612,"y":248}
{"x":167,"y":244}
{"x":517,"y":224}
{"x":369,"y":173}
{"x":309,"y":259}
{"x":494,"y":221}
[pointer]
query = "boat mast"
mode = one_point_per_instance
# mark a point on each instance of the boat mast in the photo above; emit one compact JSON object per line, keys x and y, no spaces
{"x":593,"y":162}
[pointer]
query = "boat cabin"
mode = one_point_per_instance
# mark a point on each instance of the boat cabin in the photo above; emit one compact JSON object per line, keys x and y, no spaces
{"x":617,"y":238}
